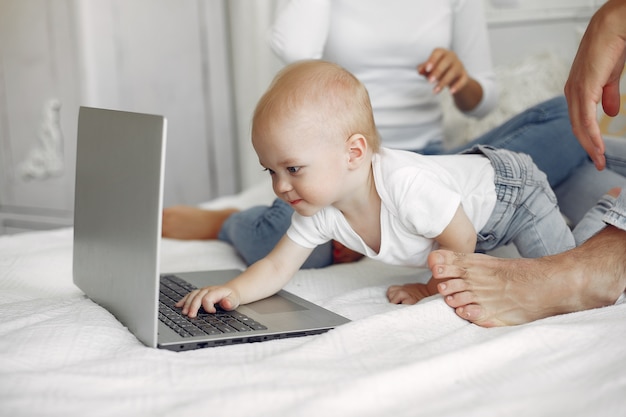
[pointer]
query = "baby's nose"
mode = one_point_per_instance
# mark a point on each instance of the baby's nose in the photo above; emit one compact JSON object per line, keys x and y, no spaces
{"x":282,"y":185}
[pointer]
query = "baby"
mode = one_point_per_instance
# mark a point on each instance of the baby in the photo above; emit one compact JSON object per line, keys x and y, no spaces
{"x":314,"y":132}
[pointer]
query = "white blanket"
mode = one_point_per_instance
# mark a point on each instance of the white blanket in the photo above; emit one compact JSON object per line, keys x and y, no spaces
{"x":63,"y":355}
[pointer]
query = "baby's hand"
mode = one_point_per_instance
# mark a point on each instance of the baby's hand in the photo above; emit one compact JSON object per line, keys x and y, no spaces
{"x":409,"y":293}
{"x":207,"y":297}
{"x":444,"y":68}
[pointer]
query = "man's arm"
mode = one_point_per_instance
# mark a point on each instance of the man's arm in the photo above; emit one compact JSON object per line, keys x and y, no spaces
{"x":595,"y":76}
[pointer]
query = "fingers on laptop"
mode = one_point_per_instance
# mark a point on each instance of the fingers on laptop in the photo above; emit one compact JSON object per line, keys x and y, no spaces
{"x":207,"y":298}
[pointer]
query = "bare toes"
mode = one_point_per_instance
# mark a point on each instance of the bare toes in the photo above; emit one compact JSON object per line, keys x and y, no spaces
{"x":447,"y":271}
{"x":475,"y":313}
{"x":470,"y":312}
{"x":460,"y":299}
{"x":452,"y":286}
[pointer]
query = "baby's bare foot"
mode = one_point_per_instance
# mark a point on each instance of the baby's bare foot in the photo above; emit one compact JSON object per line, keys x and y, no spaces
{"x":491,"y":291}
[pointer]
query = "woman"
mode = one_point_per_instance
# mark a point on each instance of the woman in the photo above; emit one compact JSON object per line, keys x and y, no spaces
{"x":406,"y":52}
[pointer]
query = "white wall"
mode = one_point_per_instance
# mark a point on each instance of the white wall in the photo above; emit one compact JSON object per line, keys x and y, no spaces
{"x":167,"y":57}
{"x":38,"y":65}
{"x":518,"y":28}
{"x":171,"y":58}
{"x":254,"y":65}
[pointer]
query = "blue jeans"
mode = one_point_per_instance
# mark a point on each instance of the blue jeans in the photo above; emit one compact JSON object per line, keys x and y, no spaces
{"x":542,"y":131}
{"x":254,"y":233}
{"x":526,"y":211}
{"x":616,"y":213}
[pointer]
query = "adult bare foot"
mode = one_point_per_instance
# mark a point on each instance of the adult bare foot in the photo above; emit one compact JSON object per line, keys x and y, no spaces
{"x":192,"y":223}
{"x":492,"y":291}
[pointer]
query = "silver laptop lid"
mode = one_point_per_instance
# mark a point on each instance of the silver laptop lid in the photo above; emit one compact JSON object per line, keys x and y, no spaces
{"x":116,"y":246}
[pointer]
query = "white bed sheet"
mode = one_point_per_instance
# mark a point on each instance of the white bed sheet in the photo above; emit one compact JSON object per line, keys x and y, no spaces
{"x":63,"y":355}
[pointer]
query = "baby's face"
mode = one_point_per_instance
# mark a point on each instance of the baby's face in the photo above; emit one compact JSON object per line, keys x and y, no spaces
{"x":306,"y":168}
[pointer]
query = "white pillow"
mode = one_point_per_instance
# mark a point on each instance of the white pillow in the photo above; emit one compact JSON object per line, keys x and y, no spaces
{"x":535,"y":79}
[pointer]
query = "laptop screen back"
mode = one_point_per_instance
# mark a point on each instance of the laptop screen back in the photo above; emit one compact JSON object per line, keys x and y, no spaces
{"x":117,"y":214}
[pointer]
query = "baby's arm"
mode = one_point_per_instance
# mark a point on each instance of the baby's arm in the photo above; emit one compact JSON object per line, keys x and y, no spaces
{"x":262,"y":279}
{"x":458,"y":236}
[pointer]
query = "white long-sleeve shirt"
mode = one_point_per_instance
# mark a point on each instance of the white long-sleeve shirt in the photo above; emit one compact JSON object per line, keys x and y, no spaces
{"x":381,"y":43}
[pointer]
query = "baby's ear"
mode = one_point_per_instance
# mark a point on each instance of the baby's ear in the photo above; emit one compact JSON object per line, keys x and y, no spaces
{"x":357,"y":148}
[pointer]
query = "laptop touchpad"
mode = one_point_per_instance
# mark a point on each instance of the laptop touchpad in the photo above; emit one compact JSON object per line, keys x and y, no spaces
{"x":274,"y":305}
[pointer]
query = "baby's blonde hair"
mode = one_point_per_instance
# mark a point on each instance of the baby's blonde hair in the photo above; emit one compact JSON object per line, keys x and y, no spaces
{"x":323,"y":96}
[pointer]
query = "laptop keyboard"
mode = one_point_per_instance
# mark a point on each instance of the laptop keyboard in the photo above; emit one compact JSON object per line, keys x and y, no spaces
{"x":174,"y":288}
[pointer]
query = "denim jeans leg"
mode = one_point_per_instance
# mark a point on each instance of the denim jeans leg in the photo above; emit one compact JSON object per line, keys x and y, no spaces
{"x":616,"y":216}
{"x":544,"y":132}
{"x":578,"y":193}
{"x":541,"y":228}
{"x":582,"y":190}
{"x":254,"y":233}
{"x":526,"y":211}
{"x":592,"y":222}
{"x":615,"y":153}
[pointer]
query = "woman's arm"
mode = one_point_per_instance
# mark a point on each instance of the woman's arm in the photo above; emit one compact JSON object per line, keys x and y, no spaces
{"x":470,"y":43}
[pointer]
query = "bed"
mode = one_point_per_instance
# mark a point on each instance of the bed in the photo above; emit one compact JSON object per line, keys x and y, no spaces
{"x":63,"y":355}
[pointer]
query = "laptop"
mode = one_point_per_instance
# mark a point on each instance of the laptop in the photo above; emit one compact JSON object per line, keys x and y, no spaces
{"x":117,"y":232}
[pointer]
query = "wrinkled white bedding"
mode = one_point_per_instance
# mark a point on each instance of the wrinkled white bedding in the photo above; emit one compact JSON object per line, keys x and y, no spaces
{"x":62,"y":355}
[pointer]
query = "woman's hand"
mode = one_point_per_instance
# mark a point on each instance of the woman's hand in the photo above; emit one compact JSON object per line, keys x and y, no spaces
{"x":444,"y":68}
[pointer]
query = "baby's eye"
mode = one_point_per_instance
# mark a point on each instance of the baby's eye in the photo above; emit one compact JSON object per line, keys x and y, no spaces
{"x":293,"y":170}
{"x":269,"y":170}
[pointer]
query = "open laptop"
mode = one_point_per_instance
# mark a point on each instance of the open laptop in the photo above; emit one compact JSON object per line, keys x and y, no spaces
{"x":117,"y":232}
